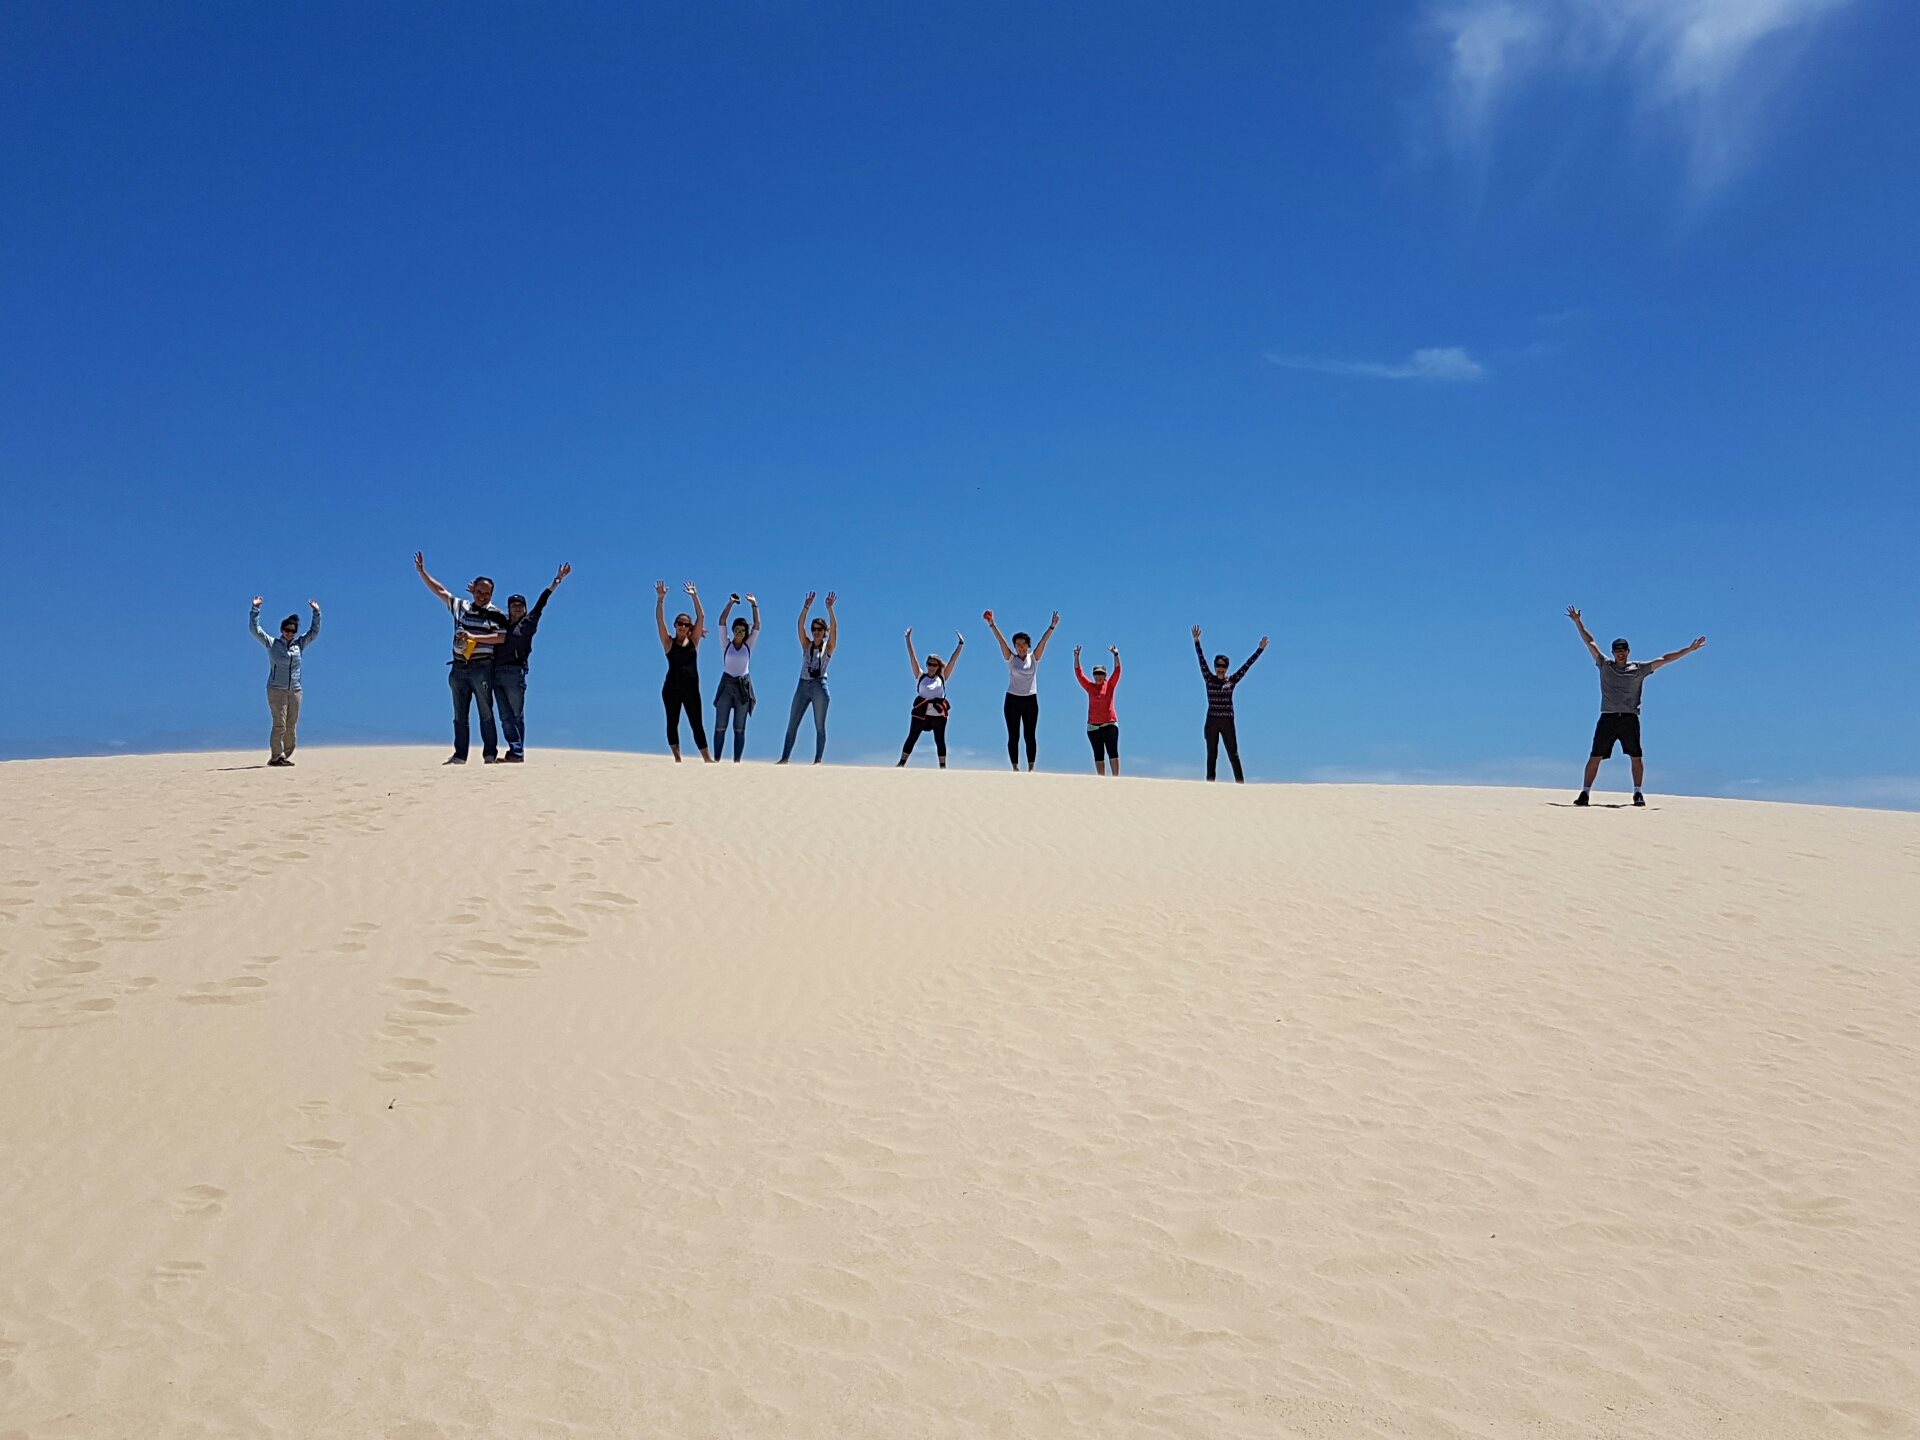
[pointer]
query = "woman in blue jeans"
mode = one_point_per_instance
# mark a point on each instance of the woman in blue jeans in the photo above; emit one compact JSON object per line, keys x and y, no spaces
{"x":816,"y":654}
{"x":733,"y":699}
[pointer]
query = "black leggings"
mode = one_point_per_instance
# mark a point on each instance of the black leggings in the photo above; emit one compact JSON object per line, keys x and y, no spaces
{"x":1023,"y":713}
{"x":938,"y":725}
{"x":1105,"y":740}
{"x":678,"y":698}
{"x":1221,"y":729}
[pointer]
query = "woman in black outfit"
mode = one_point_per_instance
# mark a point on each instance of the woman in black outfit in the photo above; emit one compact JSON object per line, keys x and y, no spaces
{"x":682,"y":690}
{"x":1220,"y":723}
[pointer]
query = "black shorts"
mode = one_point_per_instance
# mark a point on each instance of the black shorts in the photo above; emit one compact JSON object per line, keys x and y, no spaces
{"x":1612,"y":727}
{"x":1105,"y":740}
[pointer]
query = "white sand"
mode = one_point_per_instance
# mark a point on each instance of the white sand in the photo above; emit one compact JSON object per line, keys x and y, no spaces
{"x":601,"y":1097}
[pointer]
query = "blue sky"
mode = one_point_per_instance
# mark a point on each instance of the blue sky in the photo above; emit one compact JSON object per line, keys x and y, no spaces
{"x":1388,"y":330}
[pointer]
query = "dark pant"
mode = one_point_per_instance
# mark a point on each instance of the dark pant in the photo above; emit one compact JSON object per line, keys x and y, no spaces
{"x":510,"y":699}
{"x":472,"y":682}
{"x":937,"y":724}
{"x":1023,"y":713}
{"x":1616,"y":726}
{"x":687,"y":698}
{"x":730,"y":703}
{"x":809,"y":694}
{"x":1220,"y":729}
{"x":1105,"y":740}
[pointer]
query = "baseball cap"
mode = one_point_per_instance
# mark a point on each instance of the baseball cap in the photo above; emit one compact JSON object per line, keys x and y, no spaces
{"x":1621,"y":645}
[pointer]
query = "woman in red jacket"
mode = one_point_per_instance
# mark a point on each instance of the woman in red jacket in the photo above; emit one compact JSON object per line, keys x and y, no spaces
{"x":1103,"y":726}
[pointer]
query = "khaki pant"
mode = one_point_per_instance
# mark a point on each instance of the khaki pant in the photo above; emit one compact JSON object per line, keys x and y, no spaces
{"x":285,"y":705}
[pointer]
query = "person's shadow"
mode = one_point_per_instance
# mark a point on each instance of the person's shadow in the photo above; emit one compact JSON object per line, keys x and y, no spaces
{"x":1600,"y":805}
{"x":229,"y":769}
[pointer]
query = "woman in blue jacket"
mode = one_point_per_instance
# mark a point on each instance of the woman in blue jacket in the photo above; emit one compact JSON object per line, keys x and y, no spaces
{"x":283,"y":677}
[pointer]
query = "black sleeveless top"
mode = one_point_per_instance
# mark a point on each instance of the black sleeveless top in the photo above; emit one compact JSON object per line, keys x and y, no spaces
{"x":683,"y":665}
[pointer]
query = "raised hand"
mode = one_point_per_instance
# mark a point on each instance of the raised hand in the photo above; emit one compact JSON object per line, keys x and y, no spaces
{"x":987,"y":615}
{"x":751,"y":599}
{"x":958,"y":639}
{"x":1114,"y":650}
{"x":258,"y":601}
{"x":1076,"y":652}
{"x":832,"y":596}
{"x":562,"y":573}
{"x":420,"y":561}
{"x":692,"y":589}
{"x":1573,"y":614}
{"x":1196,"y":632}
{"x":1698,"y":643}
{"x":314,"y":605}
{"x":909,"y":632}
{"x":1263,"y":642}
{"x":1054,"y":623}
{"x":809,"y":604}
{"x":660,"y":588}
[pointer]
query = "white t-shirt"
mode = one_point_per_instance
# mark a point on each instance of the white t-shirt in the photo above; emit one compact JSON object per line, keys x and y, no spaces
{"x":735,"y":657}
{"x":814,"y":662}
{"x":933,"y":687}
{"x":1023,"y":676}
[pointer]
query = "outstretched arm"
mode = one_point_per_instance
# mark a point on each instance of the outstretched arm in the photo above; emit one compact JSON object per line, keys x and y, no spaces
{"x":1006,"y":650}
{"x":1040,"y":650}
{"x":753,"y":636}
{"x":539,"y":605}
{"x":1573,"y":614}
{"x":660,"y":615}
{"x":725,"y":611}
{"x":805,"y":643}
{"x":1115,"y":651}
{"x":1079,"y":674}
{"x":953,"y":660}
{"x":1673,"y":655}
{"x":1200,"y":655}
{"x":1258,"y":651}
{"x":420,"y":564}
{"x":913,"y":660}
{"x":699,"y":616}
{"x":833,"y":623}
{"x":313,"y":630}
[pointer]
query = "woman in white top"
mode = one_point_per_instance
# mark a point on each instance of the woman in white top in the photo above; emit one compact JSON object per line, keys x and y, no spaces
{"x":1022,"y":707}
{"x":734,"y":697}
{"x":930,"y":704}
{"x":816,"y":654}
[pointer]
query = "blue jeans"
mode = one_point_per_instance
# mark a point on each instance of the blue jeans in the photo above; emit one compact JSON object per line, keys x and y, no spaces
{"x":510,"y":698}
{"x":469,"y":681}
{"x":809,"y":695}
{"x":729,"y":702}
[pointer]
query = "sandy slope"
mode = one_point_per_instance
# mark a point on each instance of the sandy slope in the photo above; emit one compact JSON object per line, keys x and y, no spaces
{"x":601,"y":1097}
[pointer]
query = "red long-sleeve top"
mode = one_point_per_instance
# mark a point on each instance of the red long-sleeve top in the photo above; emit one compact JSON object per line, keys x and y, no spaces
{"x":1099,"y":695}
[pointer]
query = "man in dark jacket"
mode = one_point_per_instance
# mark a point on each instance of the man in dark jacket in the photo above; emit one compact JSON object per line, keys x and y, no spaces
{"x":510,"y":663}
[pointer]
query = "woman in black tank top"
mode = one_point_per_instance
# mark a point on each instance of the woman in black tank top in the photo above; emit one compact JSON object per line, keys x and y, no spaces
{"x":682,"y":690}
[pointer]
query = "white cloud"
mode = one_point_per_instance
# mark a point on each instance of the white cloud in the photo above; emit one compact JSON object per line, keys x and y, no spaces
{"x":1445,"y":362}
{"x":1705,"y":66}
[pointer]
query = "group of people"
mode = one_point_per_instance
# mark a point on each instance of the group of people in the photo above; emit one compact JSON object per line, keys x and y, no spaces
{"x":492,"y":651}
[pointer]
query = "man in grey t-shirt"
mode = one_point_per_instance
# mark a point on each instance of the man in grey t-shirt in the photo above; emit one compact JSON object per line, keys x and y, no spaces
{"x":1621,"y":679}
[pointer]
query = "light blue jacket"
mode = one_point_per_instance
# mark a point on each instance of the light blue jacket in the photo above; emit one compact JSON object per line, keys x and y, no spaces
{"x":285,"y":674}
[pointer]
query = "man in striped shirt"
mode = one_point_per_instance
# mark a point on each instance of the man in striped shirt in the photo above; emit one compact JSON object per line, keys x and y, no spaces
{"x":1220,"y":686}
{"x":478,"y":629}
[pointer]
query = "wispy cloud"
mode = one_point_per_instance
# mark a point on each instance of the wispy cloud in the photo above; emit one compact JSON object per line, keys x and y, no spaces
{"x":1705,"y":66}
{"x":1445,"y":362}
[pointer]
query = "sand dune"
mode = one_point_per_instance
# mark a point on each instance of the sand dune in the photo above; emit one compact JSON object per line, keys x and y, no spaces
{"x":604,"y":1097}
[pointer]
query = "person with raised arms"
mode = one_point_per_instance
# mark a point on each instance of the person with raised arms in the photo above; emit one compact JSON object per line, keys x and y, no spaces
{"x":478,"y":629}
{"x":1022,"y":707}
{"x":1621,"y":679}
{"x":510,"y":662}
{"x":733,"y":697}
{"x":1220,"y":721}
{"x":930,"y":703}
{"x":816,"y":654}
{"x":283,"y":678}
{"x":1103,"y":721}
{"x":681,"y":692}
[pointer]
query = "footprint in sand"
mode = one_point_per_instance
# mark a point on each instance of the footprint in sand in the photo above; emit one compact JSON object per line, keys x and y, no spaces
{"x":201,"y":1200}
{"x":176,"y":1274}
{"x":397,"y":1070}
{"x":319,"y":1145}
{"x":240,"y":990}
